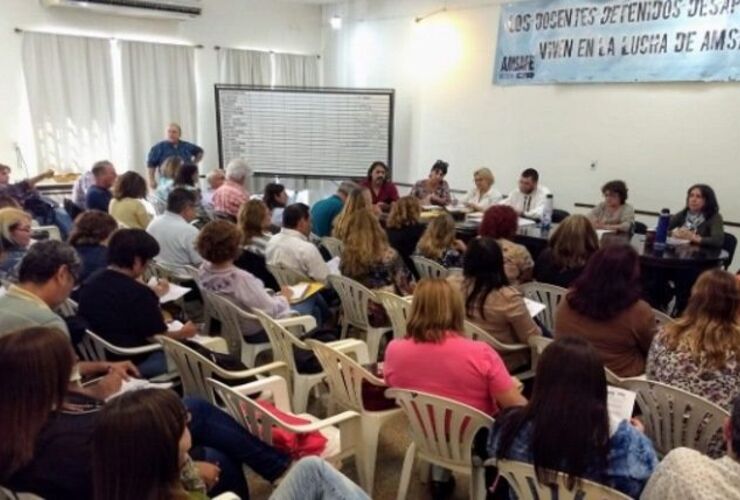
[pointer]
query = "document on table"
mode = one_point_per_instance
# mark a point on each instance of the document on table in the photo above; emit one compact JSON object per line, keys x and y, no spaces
{"x":333,"y":265}
{"x":602,"y":232}
{"x":534,"y":307}
{"x":173,"y":293}
{"x":620,"y":403}
{"x":522,"y":222}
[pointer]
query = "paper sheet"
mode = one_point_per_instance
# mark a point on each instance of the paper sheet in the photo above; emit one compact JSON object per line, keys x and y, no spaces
{"x":299,"y":290}
{"x":620,"y":403}
{"x":534,"y":307}
{"x":602,"y":232}
{"x":333,"y":265}
{"x":136,"y":384}
{"x":522,"y":222}
{"x":175,"y":291}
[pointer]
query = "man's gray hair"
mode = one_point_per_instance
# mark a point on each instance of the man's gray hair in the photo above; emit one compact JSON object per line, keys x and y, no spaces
{"x":43,"y":260}
{"x":346,"y":187}
{"x":238,"y":170}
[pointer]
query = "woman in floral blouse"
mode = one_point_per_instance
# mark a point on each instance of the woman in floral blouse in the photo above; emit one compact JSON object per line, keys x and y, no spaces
{"x":699,"y":352}
{"x":500,"y":222}
{"x":434,"y":190}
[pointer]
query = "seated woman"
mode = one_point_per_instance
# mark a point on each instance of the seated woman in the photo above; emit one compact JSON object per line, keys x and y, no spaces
{"x":491,"y":303}
{"x":483,"y":196}
{"x":153,"y":424}
{"x":165,"y":182}
{"x":89,"y":237}
{"x":122,"y":309}
{"x":572,"y":243}
{"x":369,"y":259}
{"x":439,"y":244}
{"x":254,"y":222}
{"x":404,"y":229}
{"x":500,"y":222}
{"x":700,"y":222}
{"x":604,"y":307}
{"x":566,"y":427}
{"x":187,"y":177}
{"x":15,"y":235}
{"x":48,"y":437}
{"x":219,"y":244}
{"x":358,"y":199}
{"x":613,"y":213}
{"x":700,"y":351}
{"x":127,"y":205}
{"x":434,"y":190}
{"x":276,"y":199}
{"x":378,"y":182}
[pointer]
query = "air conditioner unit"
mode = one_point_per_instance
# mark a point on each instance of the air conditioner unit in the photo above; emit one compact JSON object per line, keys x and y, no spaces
{"x":170,"y":9}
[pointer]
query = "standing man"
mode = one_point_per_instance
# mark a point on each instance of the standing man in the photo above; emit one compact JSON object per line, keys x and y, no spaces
{"x":529,"y":199}
{"x":172,"y":146}
{"x":98,"y":195}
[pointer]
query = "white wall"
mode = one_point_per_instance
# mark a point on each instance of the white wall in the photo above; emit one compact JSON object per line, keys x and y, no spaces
{"x":256,"y":24}
{"x":660,"y":138}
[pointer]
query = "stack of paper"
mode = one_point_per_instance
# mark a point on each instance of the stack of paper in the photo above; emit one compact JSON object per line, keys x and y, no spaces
{"x":534,"y":307}
{"x":333,"y":265}
{"x":299,"y":290}
{"x":522,"y":222}
{"x":173,"y":293}
{"x":302,"y":291}
{"x":136,"y":384}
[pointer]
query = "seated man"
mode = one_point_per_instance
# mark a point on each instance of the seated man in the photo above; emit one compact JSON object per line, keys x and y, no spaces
{"x":323,"y":212}
{"x":98,"y":196}
{"x":122,"y":309}
{"x":529,"y":198}
{"x":687,"y":474}
{"x":47,"y":275}
{"x":291,"y":247}
{"x":173,"y":231}
{"x":229,"y":198}
{"x":79,"y":190}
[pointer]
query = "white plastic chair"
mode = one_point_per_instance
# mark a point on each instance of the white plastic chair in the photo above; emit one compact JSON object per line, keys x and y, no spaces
{"x":355,"y":298}
{"x":427,"y":268}
{"x":442,"y":431}
{"x":673,"y":417}
{"x":398,"y":310}
{"x":345,"y":377}
{"x":475,"y":332}
{"x":93,"y":347}
{"x":523,"y":480}
{"x":286,"y":276}
{"x":332,"y":245}
{"x":67,"y":308}
{"x":260,"y":421}
{"x":195,"y":369}
{"x":283,"y":342}
{"x":538,"y":343}
{"x":661,"y":318}
{"x":550,"y":295}
{"x":52,"y":231}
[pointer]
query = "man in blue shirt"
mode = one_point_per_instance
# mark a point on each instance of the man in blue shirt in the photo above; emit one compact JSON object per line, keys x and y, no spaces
{"x":172,"y":146}
{"x":98,"y":195}
{"x":324,"y":211}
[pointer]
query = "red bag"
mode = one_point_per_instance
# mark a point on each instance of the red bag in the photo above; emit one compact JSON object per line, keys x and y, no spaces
{"x":296,"y":445}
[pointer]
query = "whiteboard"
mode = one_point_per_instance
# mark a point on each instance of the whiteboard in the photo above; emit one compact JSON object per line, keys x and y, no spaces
{"x":305,"y":132}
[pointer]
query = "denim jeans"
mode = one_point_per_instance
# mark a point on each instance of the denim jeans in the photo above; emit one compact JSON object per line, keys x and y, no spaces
{"x":213,"y":428}
{"x":232,"y":476}
{"x":313,"y":479}
{"x":154,"y":364}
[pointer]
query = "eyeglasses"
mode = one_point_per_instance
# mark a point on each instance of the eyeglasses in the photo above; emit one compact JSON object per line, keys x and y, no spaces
{"x":25,"y":229}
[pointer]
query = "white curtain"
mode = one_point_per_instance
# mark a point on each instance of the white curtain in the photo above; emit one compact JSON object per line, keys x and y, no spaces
{"x":158,"y":89}
{"x":69,"y":81}
{"x":294,"y":70}
{"x":249,"y":67}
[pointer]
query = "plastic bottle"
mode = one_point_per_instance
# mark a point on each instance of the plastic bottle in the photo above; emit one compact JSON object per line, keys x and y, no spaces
{"x":546,"y":221}
{"x":661,"y":231}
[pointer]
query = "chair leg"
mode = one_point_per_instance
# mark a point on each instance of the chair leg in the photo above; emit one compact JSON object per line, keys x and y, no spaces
{"x":373,"y":345}
{"x":408,"y":465}
{"x":345,"y":330}
{"x":478,"y":483}
{"x":370,"y":434}
{"x":425,"y":470}
{"x":301,"y":392}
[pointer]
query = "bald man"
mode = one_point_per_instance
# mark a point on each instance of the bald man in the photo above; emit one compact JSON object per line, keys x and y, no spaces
{"x":171,"y":146}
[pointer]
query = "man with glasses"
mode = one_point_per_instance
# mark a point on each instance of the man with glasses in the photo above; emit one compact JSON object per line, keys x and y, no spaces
{"x":173,"y":231}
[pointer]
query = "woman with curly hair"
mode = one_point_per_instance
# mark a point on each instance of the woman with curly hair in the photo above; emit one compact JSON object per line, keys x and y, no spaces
{"x":404,"y":228}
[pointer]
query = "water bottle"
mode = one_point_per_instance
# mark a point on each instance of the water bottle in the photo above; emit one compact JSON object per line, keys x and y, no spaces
{"x":661,"y":232}
{"x":546,"y":220}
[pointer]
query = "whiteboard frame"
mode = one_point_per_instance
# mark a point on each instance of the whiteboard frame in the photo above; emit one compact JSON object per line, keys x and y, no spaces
{"x":391,"y":93}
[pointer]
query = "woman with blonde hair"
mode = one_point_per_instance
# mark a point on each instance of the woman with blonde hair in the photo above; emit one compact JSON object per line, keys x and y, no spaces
{"x":15,"y":233}
{"x":572,"y":243}
{"x":404,"y":228}
{"x":254,"y":220}
{"x":166,"y":182}
{"x":439,"y":244}
{"x":358,"y":199}
{"x":127,"y":205}
{"x":700,"y":351}
{"x":483,"y":196}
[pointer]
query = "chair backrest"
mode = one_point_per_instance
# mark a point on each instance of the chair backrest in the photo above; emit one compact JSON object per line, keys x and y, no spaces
{"x":194,"y":369}
{"x":475,"y":332}
{"x":730,"y":245}
{"x":427,"y":268}
{"x":442,"y":429}
{"x":343,"y":374}
{"x":286,"y":276}
{"x":332,"y":245}
{"x":662,"y":318}
{"x":674,"y":417}
{"x":613,"y":379}
{"x":355,"y":298}
{"x":558,"y":215}
{"x":398,"y":310}
{"x":550,"y":295}
{"x":228,"y":314}
{"x":639,"y":227}
{"x":523,"y":480}
{"x":281,"y":340}
{"x":67,"y":308}
{"x":52,"y":231}
{"x":92,"y":347}
{"x":538,"y":343}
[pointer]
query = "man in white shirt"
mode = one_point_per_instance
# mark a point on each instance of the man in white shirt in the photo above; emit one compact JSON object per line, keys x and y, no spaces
{"x":689,"y":475}
{"x":173,"y":231}
{"x":529,"y":199}
{"x":292,"y":248}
